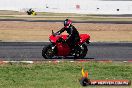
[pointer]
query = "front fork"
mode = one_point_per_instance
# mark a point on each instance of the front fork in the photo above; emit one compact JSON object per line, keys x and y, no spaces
{"x":54,"y":49}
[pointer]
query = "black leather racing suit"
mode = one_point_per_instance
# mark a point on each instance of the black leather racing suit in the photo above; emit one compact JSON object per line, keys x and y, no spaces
{"x":73,"y":36}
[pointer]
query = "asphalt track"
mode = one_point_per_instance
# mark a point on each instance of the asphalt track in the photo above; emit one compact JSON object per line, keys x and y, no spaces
{"x":104,"y":22}
{"x":97,"y":51}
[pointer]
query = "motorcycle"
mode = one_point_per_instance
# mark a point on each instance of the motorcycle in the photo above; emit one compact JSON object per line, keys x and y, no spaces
{"x":31,"y":12}
{"x":59,"y":47}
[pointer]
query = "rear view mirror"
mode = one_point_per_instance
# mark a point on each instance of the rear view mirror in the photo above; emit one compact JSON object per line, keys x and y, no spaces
{"x":52,"y":32}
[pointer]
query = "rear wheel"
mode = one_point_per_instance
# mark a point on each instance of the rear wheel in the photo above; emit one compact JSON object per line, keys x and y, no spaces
{"x":48,"y":52}
{"x":80,"y":51}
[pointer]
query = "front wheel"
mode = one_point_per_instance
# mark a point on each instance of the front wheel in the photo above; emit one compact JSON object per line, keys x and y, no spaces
{"x":80,"y":51}
{"x":48,"y":52}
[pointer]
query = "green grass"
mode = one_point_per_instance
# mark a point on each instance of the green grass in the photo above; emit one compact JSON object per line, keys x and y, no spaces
{"x":60,"y":75}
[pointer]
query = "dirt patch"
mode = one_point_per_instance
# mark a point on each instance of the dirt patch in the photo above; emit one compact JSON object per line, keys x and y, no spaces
{"x":40,"y":31}
{"x":58,"y":25}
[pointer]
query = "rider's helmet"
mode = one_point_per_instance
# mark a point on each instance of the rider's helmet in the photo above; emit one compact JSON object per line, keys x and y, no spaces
{"x":67,"y":23}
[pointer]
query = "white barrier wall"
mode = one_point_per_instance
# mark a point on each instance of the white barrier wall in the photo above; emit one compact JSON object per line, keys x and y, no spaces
{"x":70,"y":6}
{"x":89,"y":6}
{"x":19,"y":5}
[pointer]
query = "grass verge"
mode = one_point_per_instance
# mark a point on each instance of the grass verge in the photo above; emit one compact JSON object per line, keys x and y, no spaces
{"x":60,"y":75}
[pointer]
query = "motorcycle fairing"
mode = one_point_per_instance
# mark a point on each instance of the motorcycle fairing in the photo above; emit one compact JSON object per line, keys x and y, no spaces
{"x":53,"y":39}
{"x":84,"y":38}
{"x":63,"y":49}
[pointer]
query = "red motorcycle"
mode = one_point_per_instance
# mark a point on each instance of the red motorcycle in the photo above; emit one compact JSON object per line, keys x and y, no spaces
{"x":59,"y":47}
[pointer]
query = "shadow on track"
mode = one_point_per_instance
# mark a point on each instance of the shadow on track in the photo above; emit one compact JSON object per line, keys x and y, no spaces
{"x":70,"y":58}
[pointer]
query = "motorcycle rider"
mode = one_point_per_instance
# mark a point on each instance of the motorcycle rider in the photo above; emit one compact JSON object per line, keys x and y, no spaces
{"x":73,"y":36}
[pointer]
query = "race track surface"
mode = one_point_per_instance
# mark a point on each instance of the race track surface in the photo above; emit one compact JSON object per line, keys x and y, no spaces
{"x":97,"y":51}
{"x":104,"y":22}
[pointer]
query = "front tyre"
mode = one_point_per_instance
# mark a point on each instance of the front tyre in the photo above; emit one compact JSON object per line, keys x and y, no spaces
{"x":48,"y":52}
{"x":80,"y":51}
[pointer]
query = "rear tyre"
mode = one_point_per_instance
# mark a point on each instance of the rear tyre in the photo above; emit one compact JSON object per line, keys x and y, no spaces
{"x":48,"y":52}
{"x":80,"y":51}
